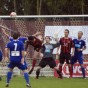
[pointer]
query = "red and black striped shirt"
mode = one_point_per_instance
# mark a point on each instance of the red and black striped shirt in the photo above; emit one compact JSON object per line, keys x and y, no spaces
{"x":36,"y":43}
{"x":66,"y":45}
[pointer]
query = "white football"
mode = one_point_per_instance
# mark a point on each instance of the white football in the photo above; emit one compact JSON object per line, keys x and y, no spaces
{"x":13,"y":14}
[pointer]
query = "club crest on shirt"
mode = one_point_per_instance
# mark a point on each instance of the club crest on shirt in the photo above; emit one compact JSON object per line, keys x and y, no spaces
{"x":48,"y":46}
{"x":80,"y":42}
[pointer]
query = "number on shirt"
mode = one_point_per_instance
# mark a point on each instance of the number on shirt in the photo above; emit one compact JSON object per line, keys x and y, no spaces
{"x":15,"y":44}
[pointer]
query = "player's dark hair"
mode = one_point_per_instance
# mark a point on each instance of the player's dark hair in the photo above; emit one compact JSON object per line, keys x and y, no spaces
{"x":15,"y":35}
{"x":30,"y":37}
{"x":67,"y":30}
{"x":48,"y":37}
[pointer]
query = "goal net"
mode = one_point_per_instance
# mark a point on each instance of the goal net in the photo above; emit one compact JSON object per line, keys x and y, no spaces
{"x":52,"y":26}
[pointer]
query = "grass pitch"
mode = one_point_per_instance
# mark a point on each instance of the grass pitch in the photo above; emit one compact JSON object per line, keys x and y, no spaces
{"x":46,"y":82}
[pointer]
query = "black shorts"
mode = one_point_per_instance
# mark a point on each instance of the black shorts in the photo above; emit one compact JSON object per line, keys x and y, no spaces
{"x":65,"y":57}
{"x":47,"y":61}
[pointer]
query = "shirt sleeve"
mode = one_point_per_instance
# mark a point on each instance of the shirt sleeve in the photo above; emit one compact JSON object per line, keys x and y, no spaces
{"x":10,"y":38}
{"x":72,"y":43}
{"x":56,"y":45}
{"x":60,"y":42}
{"x":24,"y":39}
{"x":26,"y":46}
{"x":8,"y":45}
{"x":84,"y":44}
{"x":22,"y":47}
{"x":43,"y":49}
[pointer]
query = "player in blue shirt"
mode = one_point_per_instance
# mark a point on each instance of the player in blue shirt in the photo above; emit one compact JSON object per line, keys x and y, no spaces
{"x":0,"y":60}
{"x":16,"y":49}
{"x":1,"y":56}
{"x":80,"y":45}
{"x":23,"y":39}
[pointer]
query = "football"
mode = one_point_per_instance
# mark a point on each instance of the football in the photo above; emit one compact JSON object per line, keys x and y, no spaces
{"x":13,"y":14}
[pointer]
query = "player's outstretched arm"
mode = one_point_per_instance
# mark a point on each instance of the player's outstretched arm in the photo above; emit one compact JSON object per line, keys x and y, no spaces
{"x":58,"y":50}
{"x":23,"y":55}
{"x":3,"y":30}
{"x":83,"y":48}
{"x":58,"y":46}
{"x":73,"y":50}
{"x":36,"y":34}
{"x":26,"y":46}
{"x":6,"y":54}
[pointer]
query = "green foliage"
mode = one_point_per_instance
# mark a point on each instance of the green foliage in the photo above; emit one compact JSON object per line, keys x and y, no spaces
{"x":44,"y":7}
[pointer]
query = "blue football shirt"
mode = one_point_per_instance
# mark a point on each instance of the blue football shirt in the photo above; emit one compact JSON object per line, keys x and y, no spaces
{"x":16,"y":47}
{"x":79,"y":44}
{"x":22,"y":39}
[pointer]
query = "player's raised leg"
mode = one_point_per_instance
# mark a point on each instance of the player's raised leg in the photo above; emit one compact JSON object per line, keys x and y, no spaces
{"x":52,"y":65}
{"x":34,"y":61}
{"x":58,"y":72}
{"x":38,"y":72}
{"x":37,"y":55}
{"x":37,"y":44}
{"x":42,"y":64}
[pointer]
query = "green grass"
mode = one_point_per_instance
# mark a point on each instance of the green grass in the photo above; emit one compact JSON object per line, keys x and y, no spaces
{"x":47,"y":82}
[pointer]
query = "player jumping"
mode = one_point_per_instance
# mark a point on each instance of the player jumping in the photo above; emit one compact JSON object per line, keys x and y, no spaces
{"x":47,"y":59}
{"x":66,"y":44}
{"x":16,"y":49}
{"x":36,"y":42}
{"x":22,"y":39}
{"x":38,"y":36}
{"x":80,"y":46}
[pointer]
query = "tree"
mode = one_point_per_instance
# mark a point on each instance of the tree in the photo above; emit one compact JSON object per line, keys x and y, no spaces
{"x":44,"y":7}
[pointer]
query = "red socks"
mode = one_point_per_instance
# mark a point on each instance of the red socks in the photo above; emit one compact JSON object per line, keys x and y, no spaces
{"x":33,"y":63}
{"x":60,"y":68}
{"x":71,"y":71}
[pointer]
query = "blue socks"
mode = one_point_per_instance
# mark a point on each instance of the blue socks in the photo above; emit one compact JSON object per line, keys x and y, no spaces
{"x":26,"y":77}
{"x":9,"y":75}
{"x":83,"y":71}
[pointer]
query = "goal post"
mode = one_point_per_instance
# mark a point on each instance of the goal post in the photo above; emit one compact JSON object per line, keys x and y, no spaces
{"x":48,"y":25}
{"x":43,"y":16}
